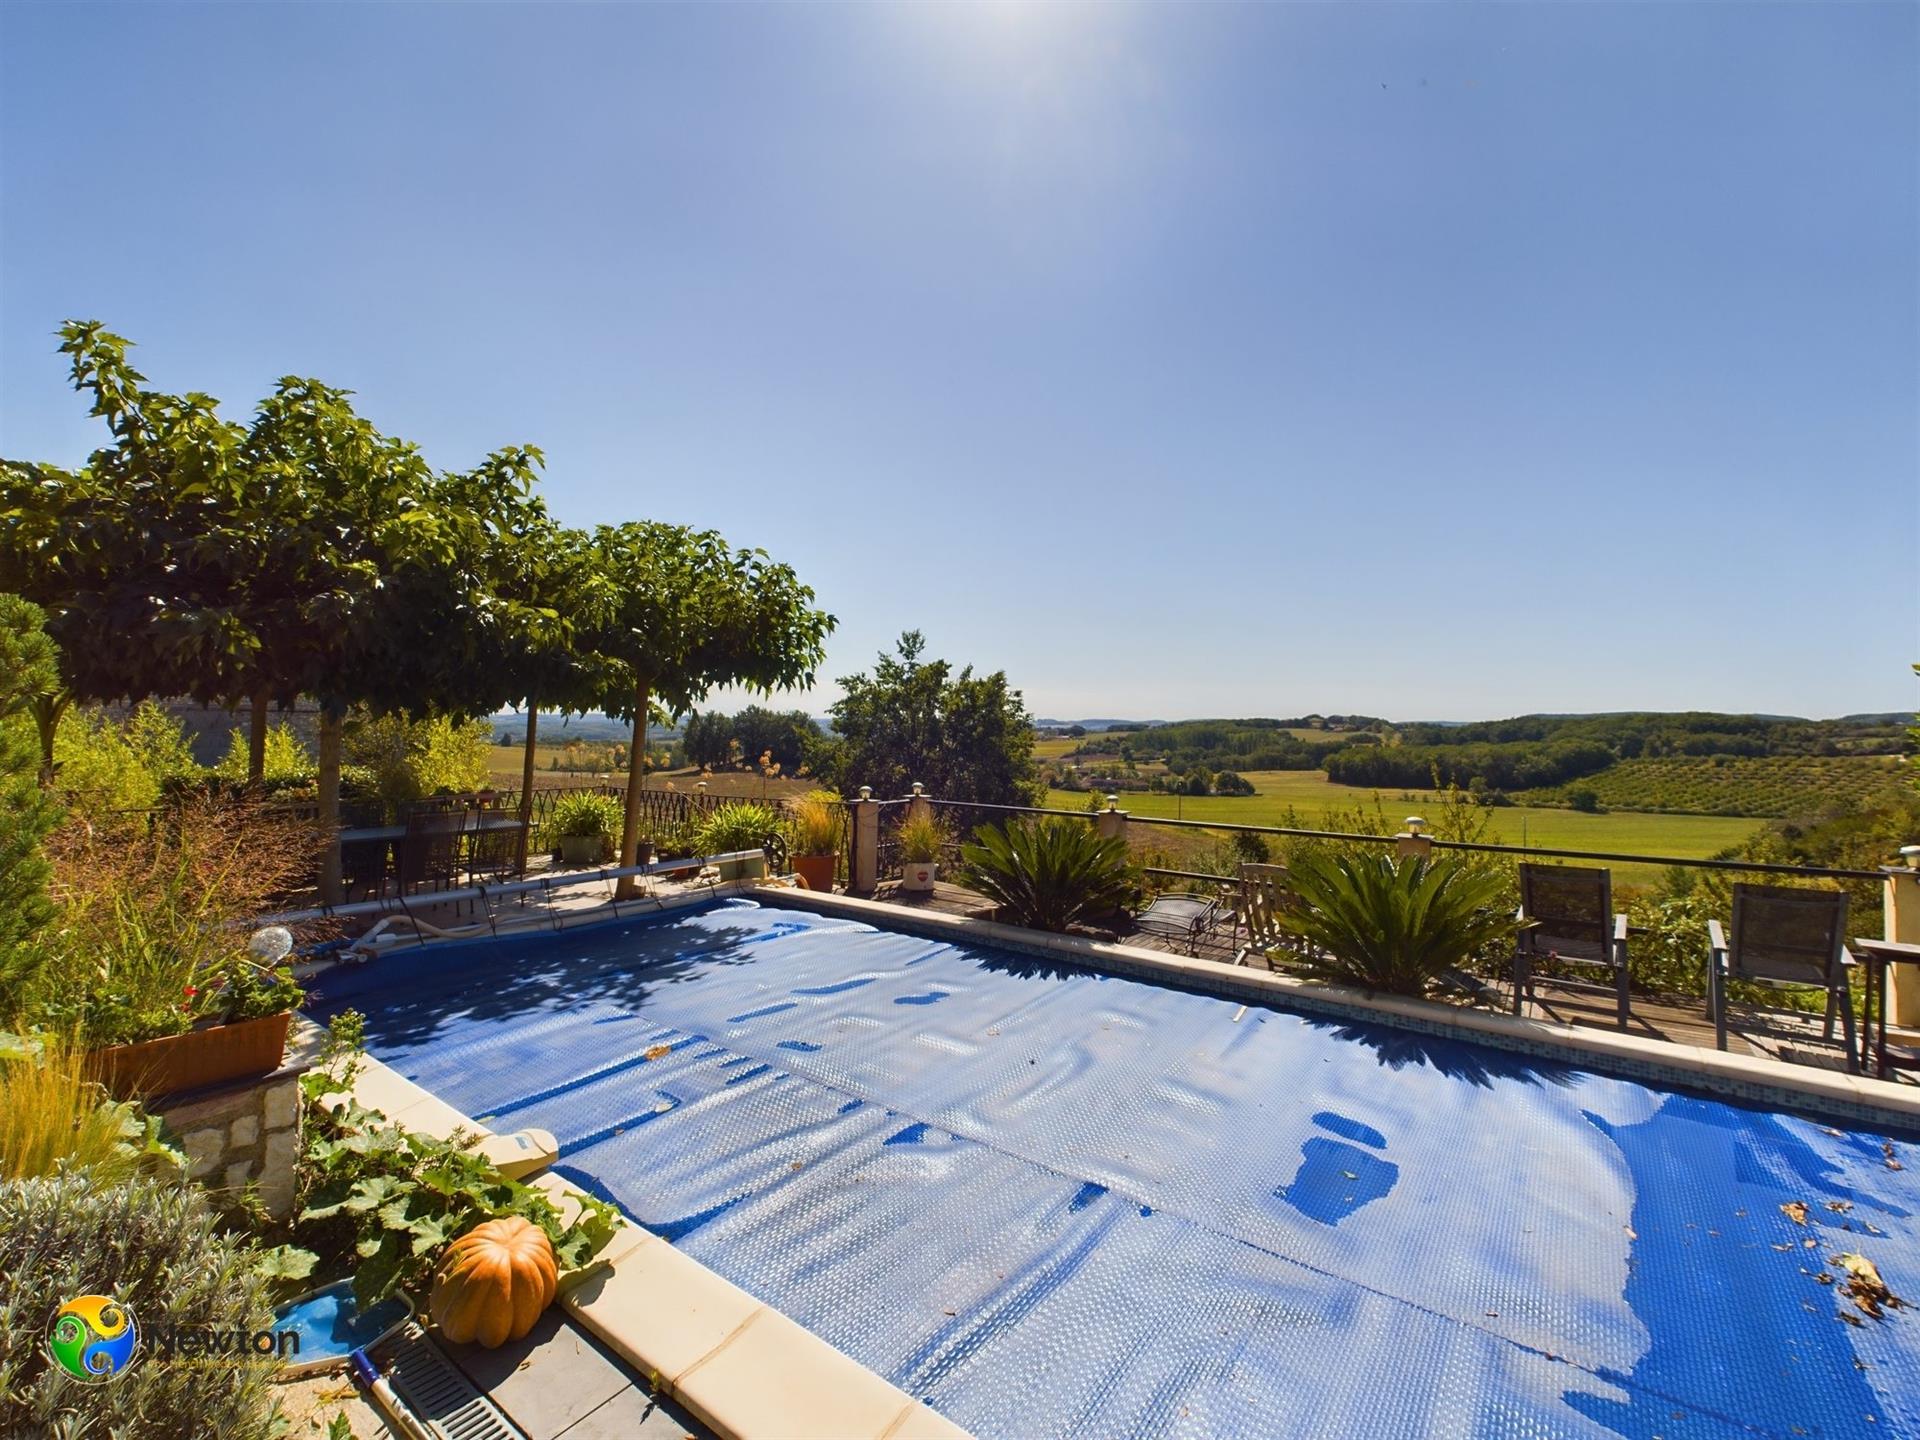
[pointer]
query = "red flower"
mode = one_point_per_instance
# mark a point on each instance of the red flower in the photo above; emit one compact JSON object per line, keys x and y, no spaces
{"x":191,"y":990}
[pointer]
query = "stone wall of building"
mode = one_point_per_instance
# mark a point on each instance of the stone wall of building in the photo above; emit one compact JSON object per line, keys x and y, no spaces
{"x":241,"y":1135}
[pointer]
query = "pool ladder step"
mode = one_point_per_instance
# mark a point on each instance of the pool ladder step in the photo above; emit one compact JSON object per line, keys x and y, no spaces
{"x":442,"y":1399}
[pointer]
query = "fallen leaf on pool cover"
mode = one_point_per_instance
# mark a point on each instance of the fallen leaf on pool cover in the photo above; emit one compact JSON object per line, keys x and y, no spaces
{"x":1796,"y":1211}
{"x":1866,"y":1288}
{"x":1839,"y":1207}
{"x":659,"y":1052}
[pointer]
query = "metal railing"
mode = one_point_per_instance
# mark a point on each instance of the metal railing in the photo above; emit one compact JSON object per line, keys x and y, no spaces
{"x":1763,"y":867}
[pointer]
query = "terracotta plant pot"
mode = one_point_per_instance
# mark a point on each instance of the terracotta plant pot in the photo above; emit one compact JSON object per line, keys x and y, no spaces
{"x":816,"y":870}
{"x":918,"y":874}
{"x":198,"y":1058}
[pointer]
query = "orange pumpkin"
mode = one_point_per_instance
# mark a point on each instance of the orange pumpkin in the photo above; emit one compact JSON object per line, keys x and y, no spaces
{"x":493,"y":1282}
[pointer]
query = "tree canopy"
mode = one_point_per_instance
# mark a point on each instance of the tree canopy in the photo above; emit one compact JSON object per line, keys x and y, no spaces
{"x":966,"y":737}
{"x":686,"y":614}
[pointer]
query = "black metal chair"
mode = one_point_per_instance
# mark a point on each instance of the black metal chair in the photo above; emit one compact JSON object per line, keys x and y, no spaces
{"x":1568,"y":912}
{"x":1183,"y":918}
{"x":1788,"y":939}
{"x":494,"y":846}
{"x":430,"y":851}
{"x":363,"y":866}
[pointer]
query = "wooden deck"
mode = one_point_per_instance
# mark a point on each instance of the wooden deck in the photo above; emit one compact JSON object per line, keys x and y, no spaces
{"x":1789,"y":1039}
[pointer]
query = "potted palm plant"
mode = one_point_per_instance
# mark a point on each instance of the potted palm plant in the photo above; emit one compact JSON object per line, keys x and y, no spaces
{"x":1398,"y":926}
{"x":584,"y":828}
{"x":1048,"y":873}
{"x":813,"y":831}
{"x":921,"y":839}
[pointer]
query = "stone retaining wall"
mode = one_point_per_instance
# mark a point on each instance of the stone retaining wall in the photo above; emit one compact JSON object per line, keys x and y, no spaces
{"x":241,"y":1135}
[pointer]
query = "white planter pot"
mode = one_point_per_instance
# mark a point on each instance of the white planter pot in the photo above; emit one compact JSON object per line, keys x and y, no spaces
{"x":918,"y":874}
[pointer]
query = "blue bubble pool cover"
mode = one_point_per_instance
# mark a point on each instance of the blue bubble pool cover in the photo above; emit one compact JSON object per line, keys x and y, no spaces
{"x":1052,"y":1203}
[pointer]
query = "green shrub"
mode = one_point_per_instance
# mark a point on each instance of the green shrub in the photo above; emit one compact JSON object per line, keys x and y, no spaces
{"x":585,"y":815}
{"x":286,"y":758}
{"x":1394,"y":927}
{"x":399,"y":759}
{"x":157,"y":1248}
{"x":737,"y":825}
{"x":110,"y":772}
{"x":1048,"y":872}
{"x":28,"y":670}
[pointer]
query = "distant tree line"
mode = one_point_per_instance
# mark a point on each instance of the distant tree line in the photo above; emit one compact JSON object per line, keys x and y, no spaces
{"x":787,"y":738}
{"x":1494,"y":767}
{"x":1257,"y":744}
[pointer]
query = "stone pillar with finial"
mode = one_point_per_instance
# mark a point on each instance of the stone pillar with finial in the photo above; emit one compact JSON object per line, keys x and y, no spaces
{"x":1112,"y":821}
{"x":1413,"y":843}
{"x":1902,"y":908}
{"x":864,"y":873}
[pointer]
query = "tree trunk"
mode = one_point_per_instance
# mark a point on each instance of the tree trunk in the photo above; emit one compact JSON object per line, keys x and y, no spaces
{"x":257,"y":741}
{"x":47,"y":710}
{"x":636,"y":785}
{"x":526,"y":780}
{"x":330,"y":804}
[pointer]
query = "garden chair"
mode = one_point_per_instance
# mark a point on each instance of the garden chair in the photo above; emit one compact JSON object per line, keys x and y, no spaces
{"x":1785,"y":938}
{"x":1264,"y":896}
{"x":430,"y":851}
{"x":1568,"y":912}
{"x":492,"y":849}
{"x":363,"y":866}
{"x":1186,"y":918}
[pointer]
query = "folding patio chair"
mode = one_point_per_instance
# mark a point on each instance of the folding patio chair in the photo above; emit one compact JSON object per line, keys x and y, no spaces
{"x":1265,"y":895}
{"x":1568,"y":911}
{"x":1786,"y":938}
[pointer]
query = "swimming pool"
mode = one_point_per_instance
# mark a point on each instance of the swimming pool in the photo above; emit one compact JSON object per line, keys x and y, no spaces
{"x":1052,"y":1203}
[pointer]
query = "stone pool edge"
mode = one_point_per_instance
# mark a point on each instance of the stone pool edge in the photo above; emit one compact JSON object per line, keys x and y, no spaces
{"x":1744,"y":1077}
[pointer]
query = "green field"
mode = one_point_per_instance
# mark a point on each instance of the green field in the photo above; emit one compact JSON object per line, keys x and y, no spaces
{"x":1777,"y":786}
{"x":1312,"y":797}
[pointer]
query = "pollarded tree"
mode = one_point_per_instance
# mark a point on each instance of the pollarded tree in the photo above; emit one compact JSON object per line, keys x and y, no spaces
{"x":688,"y":614}
{"x":147,"y":558}
{"x":383,"y":568}
{"x":546,"y":592}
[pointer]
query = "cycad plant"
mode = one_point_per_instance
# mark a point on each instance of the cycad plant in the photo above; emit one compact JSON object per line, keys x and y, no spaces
{"x":1047,"y":873}
{"x":1394,"y":926}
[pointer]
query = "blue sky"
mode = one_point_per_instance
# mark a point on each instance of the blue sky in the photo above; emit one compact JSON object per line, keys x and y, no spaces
{"x":1427,"y":361}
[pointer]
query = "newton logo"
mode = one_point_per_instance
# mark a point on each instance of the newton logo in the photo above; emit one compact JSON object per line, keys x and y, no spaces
{"x":92,"y":1337}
